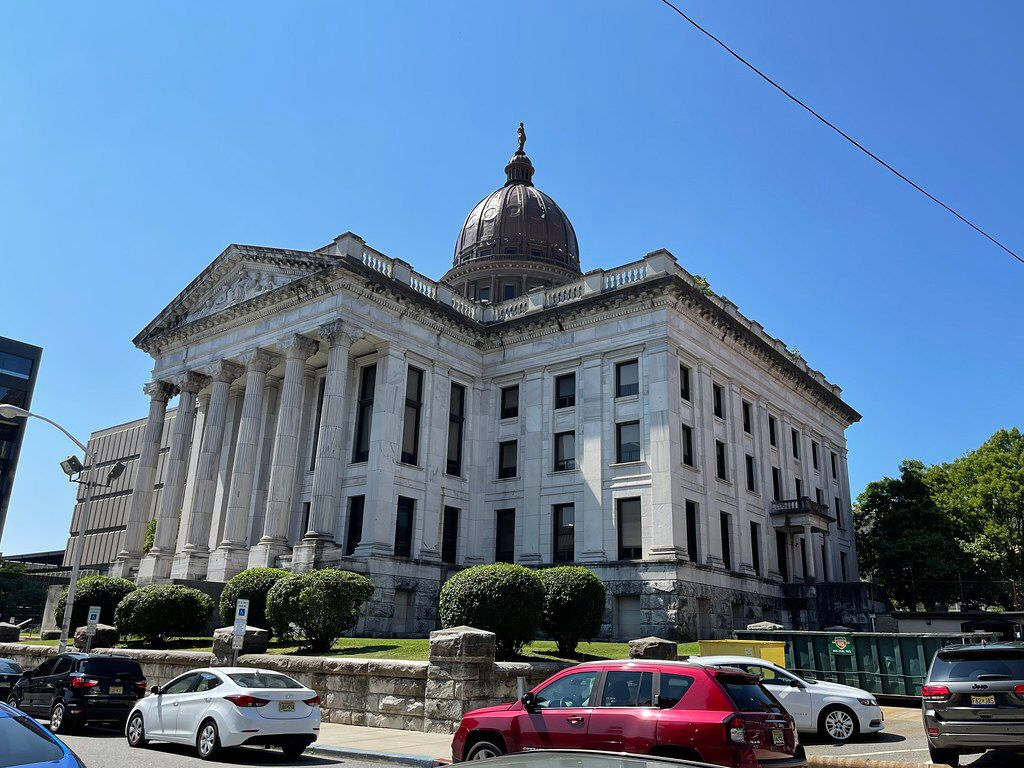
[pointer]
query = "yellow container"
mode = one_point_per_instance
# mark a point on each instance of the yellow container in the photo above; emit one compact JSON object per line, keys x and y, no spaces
{"x":769,"y":650}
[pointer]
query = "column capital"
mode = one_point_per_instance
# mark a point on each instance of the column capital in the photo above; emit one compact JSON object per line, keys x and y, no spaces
{"x":338,"y":332}
{"x":223,"y":371}
{"x":161,"y":391}
{"x":190,"y":382}
{"x":258,"y":360}
{"x":298,"y":347}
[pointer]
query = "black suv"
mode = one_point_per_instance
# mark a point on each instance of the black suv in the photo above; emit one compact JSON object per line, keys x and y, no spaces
{"x":10,"y":673}
{"x":973,"y":700}
{"x":77,"y":688}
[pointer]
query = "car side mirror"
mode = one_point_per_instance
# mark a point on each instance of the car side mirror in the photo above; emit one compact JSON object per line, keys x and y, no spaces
{"x":794,"y":683}
{"x":155,"y":689}
{"x":529,"y":701}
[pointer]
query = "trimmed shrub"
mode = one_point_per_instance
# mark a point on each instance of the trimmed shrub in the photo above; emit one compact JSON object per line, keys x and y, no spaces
{"x":502,"y":598}
{"x":105,"y":591}
{"x":320,"y":606}
{"x":573,"y":605}
{"x":160,"y":611}
{"x":252,"y":584}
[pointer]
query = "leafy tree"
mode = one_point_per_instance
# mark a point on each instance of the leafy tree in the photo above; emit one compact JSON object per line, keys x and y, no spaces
{"x":105,"y":591}
{"x":573,"y":605}
{"x":147,"y":544}
{"x":253,"y":584}
{"x":322,"y":605}
{"x":159,"y":611}
{"x":19,"y":592}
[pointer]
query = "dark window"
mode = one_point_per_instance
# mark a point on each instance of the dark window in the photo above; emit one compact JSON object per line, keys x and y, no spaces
{"x":403,"y":526}
{"x":773,"y":438}
{"x":672,"y":689}
{"x":27,"y":743}
{"x":723,"y":519}
{"x":776,"y":484}
{"x":364,"y":413}
{"x":505,"y":536}
{"x":15,"y":365}
{"x":565,"y":451}
{"x":842,"y":566}
{"x":62,"y":666}
{"x":627,"y":689}
{"x":485,"y":293}
{"x":564,"y":539}
{"x":508,"y":291}
{"x":977,"y":665}
{"x":450,"y":535}
{"x":684,"y":382}
{"x":510,"y":402}
{"x":687,"y":445}
{"x":749,"y":696}
{"x":182,"y":685}
{"x":507,"y":458}
{"x":720,"y":467}
{"x":354,"y":530}
{"x":692,"y":532}
{"x":746,"y":417}
{"x":719,"y":400}
{"x":456,"y":417}
{"x":112,"y":668}
{"x":782,"y":552}
{"x":411,"y":424}
{"x":819,"y":496}
{"x":630,"y":537}
{"x":305,"y":517}
{"x":751,"y":478}
{"x":839,"y":512}
{"x":627,"y":441}
{"x":834,"y":471}
{"x":814,"y":454}
{"x":565,"y":391}
{"x":316,"y":424}
{"x":627,"y":378}
{"x":796,"y":443}
{"x":799,"y":487}
{"x":567,"y":692}
{"x":755,"y":546}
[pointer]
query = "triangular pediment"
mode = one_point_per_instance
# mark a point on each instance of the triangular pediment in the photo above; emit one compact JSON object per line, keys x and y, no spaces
{"x":246,"y":281}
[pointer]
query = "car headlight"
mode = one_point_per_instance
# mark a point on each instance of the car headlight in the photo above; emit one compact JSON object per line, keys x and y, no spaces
{"x":868,"y":702}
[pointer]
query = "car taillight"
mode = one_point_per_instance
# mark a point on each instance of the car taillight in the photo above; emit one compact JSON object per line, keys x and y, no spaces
{"x":141,"y":683}
{"x":934,"y":692}
{"x":83,"y":682}
{"x":242,"y":700}
{"x":314,"y":702}
{"x":1019,"y":690}
{"x":736,"y":730}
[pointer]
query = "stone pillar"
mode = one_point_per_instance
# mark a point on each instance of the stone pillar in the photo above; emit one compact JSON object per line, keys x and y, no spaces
{"x":769,"y":555}
{"x":535,"y":414}
{"x":665,"y":534}
{"x":743,"y":556}
{"x":141,"y":503}
{"x":286,"y":453}
{"x":704,"y":409}
{"x":590,"y":521}
{"x":460,"y":676}
{"x":231,"y":554}
{"x":809,"y":554}
{"x":156,"y":564}
{"x":191,"y":562}
{"x":202,"y":406}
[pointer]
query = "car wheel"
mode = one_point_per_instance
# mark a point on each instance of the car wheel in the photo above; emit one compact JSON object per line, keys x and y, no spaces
{"x":60,"y":720}
{"x":12,"y":701}
{"x":837,"y":724}
{"x":944,"y":756}
{"x":208,"y":740}
{"x":484,"y":750}
{"x":293,"y":749}
{"x":136,"y":731}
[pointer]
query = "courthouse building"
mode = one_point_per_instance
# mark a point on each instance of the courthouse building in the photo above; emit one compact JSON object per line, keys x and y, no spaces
{"x":337,"y":408}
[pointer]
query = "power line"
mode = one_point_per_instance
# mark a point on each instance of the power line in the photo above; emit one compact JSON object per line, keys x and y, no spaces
{"x":842,"y":133}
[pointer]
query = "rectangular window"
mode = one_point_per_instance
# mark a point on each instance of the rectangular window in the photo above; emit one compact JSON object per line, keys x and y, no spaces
{"x":776,"y":484}
{"x":692,"y":531}
{"x":403,"y":526}
{"x":364,"y":413}
{"x":684,"y":382}
{"x":799,"y":487}
{"x":508,"y":454}
{"x":304,"y":524}
{"x":687,"y":445}
{"x":565,"y":451}
{"x":627,"y":689}
{"x":726,"y":525}
{"x":751,"y":479}
{"x":630,"y":539}
{"x":719,"y":400}
{"x":316,"y":424}
{"x":627,"y":378}
{"x":565,"y":391}
{"x":839,"y":513}
{"x":627,"y":446}
{"x":747,"y":417}
{"x":796,"y":443}
{"x":510,"y":402}
{"x":563,"y":537}
{"x":15,"y":365}
{"x":842,"y":566}
{"x":834,"y":471}
{"x":456,"y":418}
{"x":505,"y":536}
{"x":819,"y":496}
{"x":814,"y":454}
{"x":411,"y":423}
{"x":755,"y":546}
{"x":485,"y":294}
{"x":782,"y":553}
{"x":773,"y":438}
{"x":450,"y":535}
{"x":508,"y":292}
{"x":720,"y":468}
{"x":354,"y":529}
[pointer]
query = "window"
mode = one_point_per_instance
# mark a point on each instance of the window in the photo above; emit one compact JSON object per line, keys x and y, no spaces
{"x":411,"y":424}
{"x":782,"y":553}
{"x":819,"y":496}
{"x":456,"y":417}
{"x":726,"y":525}
{"x":687,"y":445}
{"x":565,"y":391}
{"x":839,"y":513}
{"x":364,"y":413}
{"x":316,"y":424}
{"x":692,"y":532}
{"x":505,"y":536}
{"x":773,"y":438}
{"x":510,"y":402}
{"x":450,"y":535}
{"x":403,"y":526}
{"x":684,"y":382}
{"x":747,"y":419}
{"x":508,"y":292}
{"x":354,"y":530}
{"x":627,"y":689}
{"x":749,"y":696}
{"x":751,"y":482}
{"x":799,"y":487}
{"x":627,"y":378}
{"x":776,"y":484}
{"x":27,"y":743}
{"x":485,"y":293}
{"x":720,"y":467}
{"x":627,"y":441}
{"x":814,"y":454}
{"x":719,"y":401}
{"x":507,"y":457}
{"x":755,"y":547}
{"x":672,"y":689}
{"x":564,"y":516}
{"x":842,"y":566}
{"x":796,"y":443}
{"x":207,"y":682}
{"x":834,"y":471}
{"x":304,"y":523}
{"x":565,"y":451}
{"x":569,"y":692}
{"x":630,"y":539}
{"x":261,"y":679}
{"x":62,"y":666}
{"x":182,"y":685}
{"x":15,"y":365}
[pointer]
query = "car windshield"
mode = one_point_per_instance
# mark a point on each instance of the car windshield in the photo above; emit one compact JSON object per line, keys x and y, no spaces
{"x":112,"y":668}
{"x":263,"y":680}
{"x":748,"y":695}
{"x":26,"y":743}
{"x":994,"y":664}
{"x":8,"y":667}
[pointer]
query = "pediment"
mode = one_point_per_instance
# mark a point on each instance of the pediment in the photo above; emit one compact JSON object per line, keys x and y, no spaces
{"x":246,"y":281}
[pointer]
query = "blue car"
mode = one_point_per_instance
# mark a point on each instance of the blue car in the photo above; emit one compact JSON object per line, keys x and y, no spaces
{"x":26,"y":743}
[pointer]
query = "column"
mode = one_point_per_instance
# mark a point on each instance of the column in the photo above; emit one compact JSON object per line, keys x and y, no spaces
{"x":231,"y":555}
{"x":141,"y":503}
{"x":809,"y":553}
{"x":704,"y":409}
{"x":769,"y":557}
{"x":535,"y":410}
{"x":667,"y":532}
{"x":202,"y":406}
{"x":156,"y":564}
{"x":741,"y":528}
{"x":286,"y":453}
{"x":591,"y":516}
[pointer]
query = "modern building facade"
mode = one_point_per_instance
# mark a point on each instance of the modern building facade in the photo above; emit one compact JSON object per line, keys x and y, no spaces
{"x":19,"y":366}
{"x":337,"y":408}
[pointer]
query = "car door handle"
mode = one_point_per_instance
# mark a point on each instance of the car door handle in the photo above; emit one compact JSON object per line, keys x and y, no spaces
{"x":175,"y":703}
{"x":575,"y":720}
{"x":209,"y":698}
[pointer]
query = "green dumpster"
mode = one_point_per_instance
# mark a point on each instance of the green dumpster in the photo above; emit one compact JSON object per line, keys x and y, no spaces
{"x":884,"y":663}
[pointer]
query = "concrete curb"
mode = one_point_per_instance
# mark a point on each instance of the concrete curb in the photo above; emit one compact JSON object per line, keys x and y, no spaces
{"x":417,"y":761}
{"x":818,"y":761}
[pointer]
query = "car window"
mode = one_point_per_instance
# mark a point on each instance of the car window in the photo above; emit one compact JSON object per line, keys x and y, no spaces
{"x":673,"y":687}
{"x":44,"y":668}
{"x":264,"y":680}
{"x":8,"y":667}
{"x":112,"y":668}
{"x":766,"y":675}
{"x":181,"y":685}
{"x":570,"y":691}
{"x":62,"y":666}
{"x":628,"y":689}
{"x":748,"y":695}
{"x":207,"y":682}
{"x":26,"y":743}
{"x":995,"y":664}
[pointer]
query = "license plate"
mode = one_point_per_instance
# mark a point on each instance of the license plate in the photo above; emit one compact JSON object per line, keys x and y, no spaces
{"x":983,"y":701}
{"x":286,"y":706}
{"x":115,"y":690}
{"x":778,"y":738}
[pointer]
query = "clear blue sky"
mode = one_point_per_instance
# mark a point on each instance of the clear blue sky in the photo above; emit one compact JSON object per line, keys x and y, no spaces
{"x":138,"y":139}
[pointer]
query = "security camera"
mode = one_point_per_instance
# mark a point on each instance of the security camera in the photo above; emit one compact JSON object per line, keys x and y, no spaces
{"x":71,"y":466}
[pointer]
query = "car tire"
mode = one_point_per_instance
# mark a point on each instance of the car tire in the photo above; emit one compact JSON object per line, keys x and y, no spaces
{"x":483,"y":750}
{"x":944,"y":756}
{"x":838,"y":724}
{"x":12,"y":701}
{"x":293,"y":749}
{"x":135,"y":731}
{"x":207,"y":740}
{"x":60,"y":721}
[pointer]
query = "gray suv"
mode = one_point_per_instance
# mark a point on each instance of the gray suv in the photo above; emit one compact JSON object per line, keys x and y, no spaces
{"x":973,"y":700}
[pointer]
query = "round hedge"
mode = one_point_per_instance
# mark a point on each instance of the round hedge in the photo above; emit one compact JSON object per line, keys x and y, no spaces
{"x":159,"y":611}
{"x":573,"y":605}
{"x":320,"y":606}
{"x":105,"y":591}
{"x":252,"y":584}
{"x":502,"y":598}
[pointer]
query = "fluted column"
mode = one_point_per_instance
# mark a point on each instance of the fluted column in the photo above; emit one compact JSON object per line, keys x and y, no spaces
{"x":231,"y":554}
{"x":157,"y":562}
{"x":286,"y":452}
{"x":145,"y":475}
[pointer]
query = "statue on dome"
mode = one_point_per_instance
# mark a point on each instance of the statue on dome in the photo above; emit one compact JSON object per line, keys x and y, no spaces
{"x":522,"y":139}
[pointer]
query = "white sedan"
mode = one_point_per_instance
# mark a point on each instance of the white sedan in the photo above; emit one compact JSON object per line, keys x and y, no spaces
{"x":227,"y":707}
{"x":837,"y":712}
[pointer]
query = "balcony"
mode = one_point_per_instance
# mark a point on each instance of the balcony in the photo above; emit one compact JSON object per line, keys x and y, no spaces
{"x":795,"y":515}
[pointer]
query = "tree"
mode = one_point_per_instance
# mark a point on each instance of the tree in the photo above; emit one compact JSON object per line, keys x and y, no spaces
{"x":573,"y":605}
{"x":322,"y":605}
{"x":253,"y":584}
{"x":159,"y":611}
{"x":105,"y":591}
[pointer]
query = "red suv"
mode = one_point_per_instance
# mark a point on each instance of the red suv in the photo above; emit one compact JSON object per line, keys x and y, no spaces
{"x":666,"y":708}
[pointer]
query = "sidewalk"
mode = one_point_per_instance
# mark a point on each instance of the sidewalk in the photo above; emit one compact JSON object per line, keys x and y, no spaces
{"x":414,"y":748}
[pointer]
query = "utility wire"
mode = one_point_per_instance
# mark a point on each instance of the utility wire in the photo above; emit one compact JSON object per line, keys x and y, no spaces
{"x":842,"y":133}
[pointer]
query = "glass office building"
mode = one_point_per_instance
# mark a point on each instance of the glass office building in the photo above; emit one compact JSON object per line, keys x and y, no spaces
{"x":19,"y":365}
